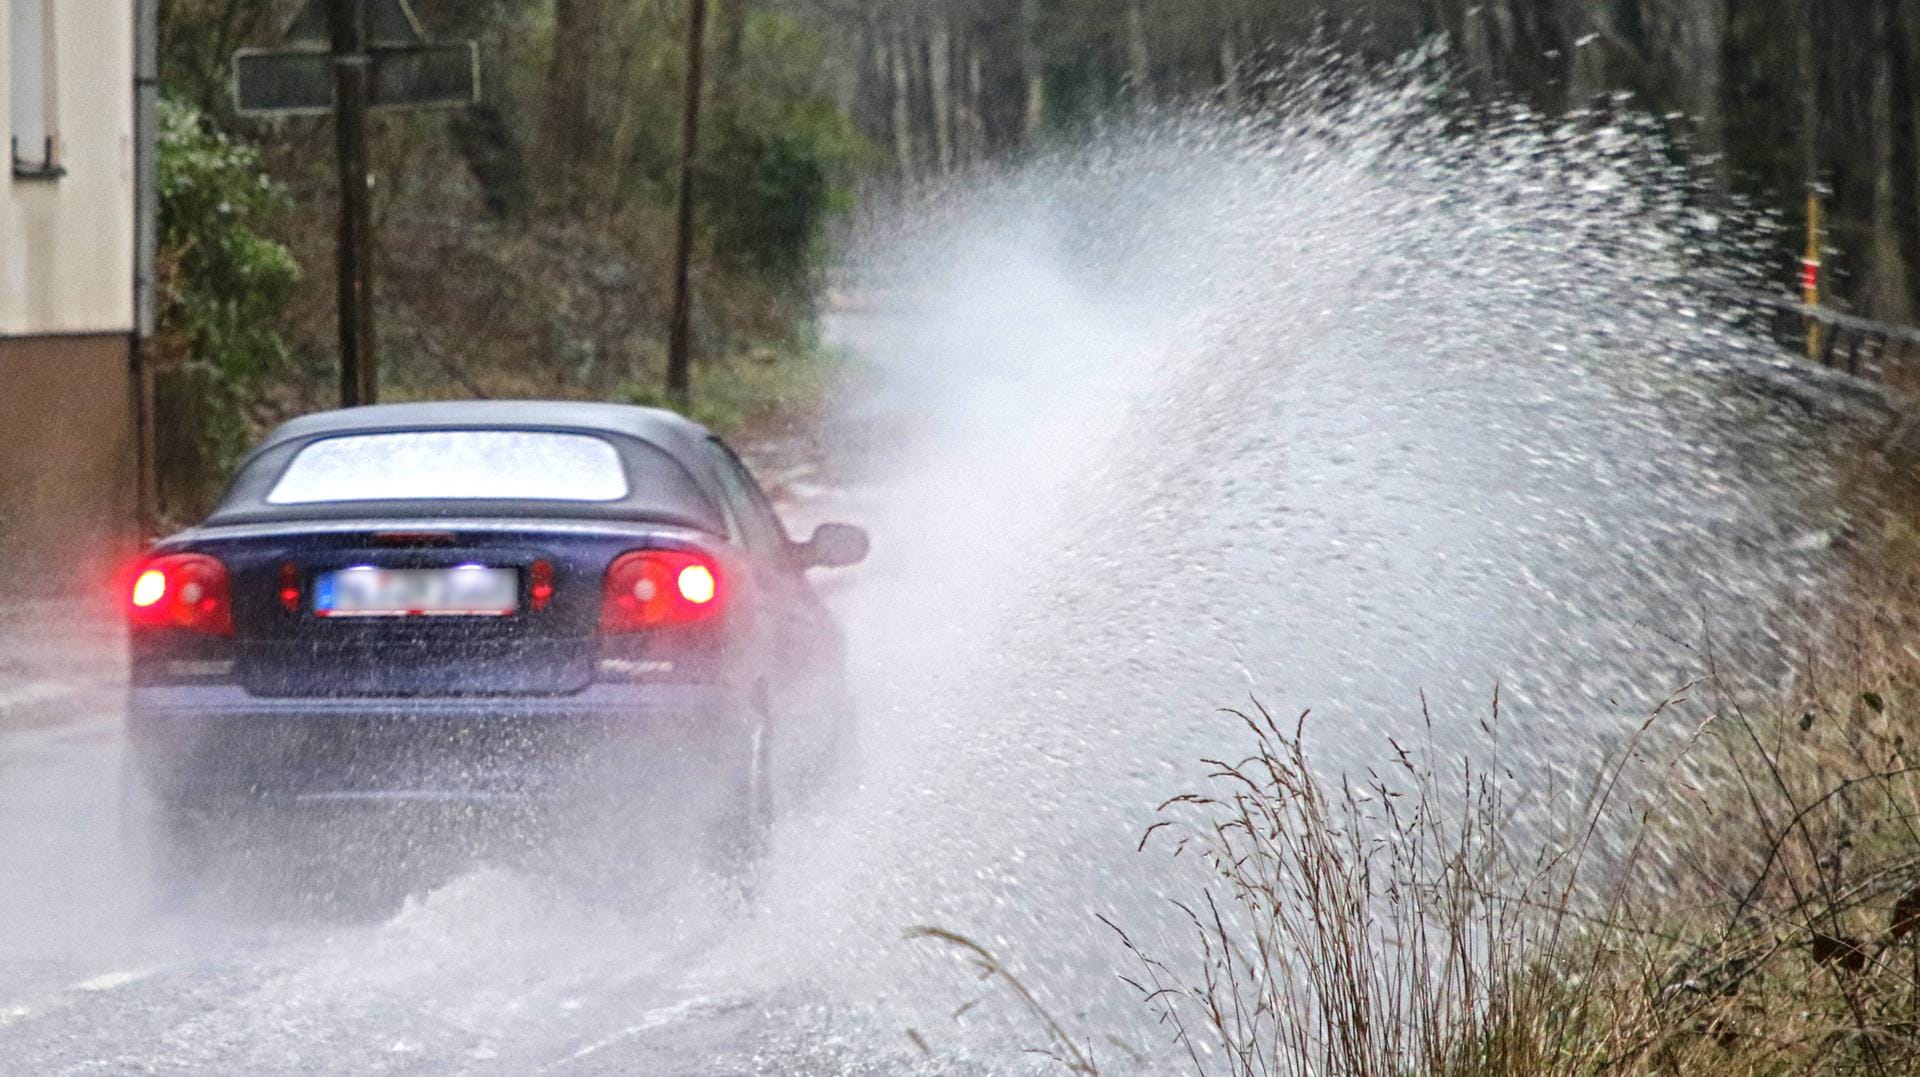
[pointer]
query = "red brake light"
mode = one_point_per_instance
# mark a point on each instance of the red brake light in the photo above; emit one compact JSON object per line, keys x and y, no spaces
{"x":658,"y":589}
{"x":541,"y":589}
{"x":290,"y":587}
{"x":182,"y":590}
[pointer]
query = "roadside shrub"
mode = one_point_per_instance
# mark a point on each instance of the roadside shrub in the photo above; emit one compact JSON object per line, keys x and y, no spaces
{"x":1743,"y":898}
{"x":1735,"y":889}
{"x":781,"y":156}
{"x":1397,"y":925}
{"x":222,"y":284}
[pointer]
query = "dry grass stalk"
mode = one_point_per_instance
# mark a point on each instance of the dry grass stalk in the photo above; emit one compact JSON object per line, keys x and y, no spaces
{"x":1744,"y":900}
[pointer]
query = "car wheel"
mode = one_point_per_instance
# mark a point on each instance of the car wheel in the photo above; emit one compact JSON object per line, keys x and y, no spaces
{"x":745,"y":824}
{"x":845,"y":763}
{"x":167,"y":844}
{"x":826,"y":761}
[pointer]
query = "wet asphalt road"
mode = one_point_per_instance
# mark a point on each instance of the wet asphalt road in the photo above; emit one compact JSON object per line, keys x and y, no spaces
{"x":493,"y":972}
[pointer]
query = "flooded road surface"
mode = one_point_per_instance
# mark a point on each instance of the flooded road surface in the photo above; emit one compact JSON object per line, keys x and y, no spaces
{"x":1204,"y":413}
{"x":495,"y":970}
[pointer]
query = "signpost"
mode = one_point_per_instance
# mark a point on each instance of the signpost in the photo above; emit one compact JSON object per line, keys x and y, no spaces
{"x":345,"y":57}
{"x":679,"y":325}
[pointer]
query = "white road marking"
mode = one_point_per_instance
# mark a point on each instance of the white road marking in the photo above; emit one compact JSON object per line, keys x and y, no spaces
{"x":649,"y":1021}
{"x":107,"y":981}
{"x":38,"y":692}
{"x":60,"y":999}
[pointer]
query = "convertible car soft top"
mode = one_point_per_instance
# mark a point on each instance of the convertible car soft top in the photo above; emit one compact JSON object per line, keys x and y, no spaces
{"x":663,"y":456}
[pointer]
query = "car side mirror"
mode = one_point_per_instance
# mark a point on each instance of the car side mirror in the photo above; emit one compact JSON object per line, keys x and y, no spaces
{"x":834,"y":546}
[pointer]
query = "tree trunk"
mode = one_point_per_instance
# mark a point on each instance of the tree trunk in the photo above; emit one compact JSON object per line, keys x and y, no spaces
{"x":1590,"y":35}
{"x":1843,"y":76}
{"x":1139,"y":66}
{"x":1468,"y":24}
{"x":975,"y":127}
{"x":491,"y":149}
{"x":1887,"y":294}
{"x":1708,"y":101}
{"x":1230,"y":91}
{"x":926,"y":156}
{"x":1032,"y":72}
{"x":940,"y":86}
{"x":1903,"y":54}
{"x":873,"y":96}
{"x":730,"y":44}
{"x":484,"y":135}
{"x":1809,"y":93}
{"x":902,"y":108}
{"x":1503,"y":32}
{"x":567,"y":135}
{"x":1679,"y":54}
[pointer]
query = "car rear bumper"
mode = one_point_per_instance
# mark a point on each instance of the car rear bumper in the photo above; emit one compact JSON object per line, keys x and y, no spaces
{"x":219,"y":744}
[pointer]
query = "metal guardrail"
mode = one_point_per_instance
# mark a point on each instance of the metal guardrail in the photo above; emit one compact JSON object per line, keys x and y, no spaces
{"x":1863,"y":347}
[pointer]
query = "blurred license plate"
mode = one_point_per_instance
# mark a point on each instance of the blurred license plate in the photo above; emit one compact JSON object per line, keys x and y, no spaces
{"x":467,"y":591}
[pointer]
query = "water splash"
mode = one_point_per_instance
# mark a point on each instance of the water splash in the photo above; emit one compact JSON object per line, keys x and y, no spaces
{"x":1372,"y":395}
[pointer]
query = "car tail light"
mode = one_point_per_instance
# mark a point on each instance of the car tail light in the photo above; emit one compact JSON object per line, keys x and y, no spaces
{"x":540,"y":587}
{"x":182,"y":590}
{"x":290,"y":587}
{"x":659,"y":589}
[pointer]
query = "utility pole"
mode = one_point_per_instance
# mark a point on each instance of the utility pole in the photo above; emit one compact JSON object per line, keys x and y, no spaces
{"x":342,"y":58}
{"x":679,"y":329}
{"x":347,"y":23}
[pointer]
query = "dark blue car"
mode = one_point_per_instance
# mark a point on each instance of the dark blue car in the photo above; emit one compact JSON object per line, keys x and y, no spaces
{"x":584,"y":607}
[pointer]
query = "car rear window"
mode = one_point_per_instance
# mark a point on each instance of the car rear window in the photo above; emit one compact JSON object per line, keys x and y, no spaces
{"x":536,"y":465}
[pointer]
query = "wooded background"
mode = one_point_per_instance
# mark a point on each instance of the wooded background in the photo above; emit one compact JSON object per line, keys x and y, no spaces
{"x":1771,"y":95}
{"x":523,"y":243}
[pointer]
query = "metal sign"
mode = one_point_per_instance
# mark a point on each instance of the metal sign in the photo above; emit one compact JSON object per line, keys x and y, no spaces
{"x":346,"y":57}
{"x":300,"y":82}
{"x":390,"y":25}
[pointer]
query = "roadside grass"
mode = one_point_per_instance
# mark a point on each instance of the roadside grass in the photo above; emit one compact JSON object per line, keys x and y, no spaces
{"x":753,"y":391}
{"x":776,"y":384}
{"x":1736,"y":890}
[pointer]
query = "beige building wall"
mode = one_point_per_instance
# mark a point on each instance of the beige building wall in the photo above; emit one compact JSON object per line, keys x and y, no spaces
{"x":68,"y":448}
{"x":66,"y":244}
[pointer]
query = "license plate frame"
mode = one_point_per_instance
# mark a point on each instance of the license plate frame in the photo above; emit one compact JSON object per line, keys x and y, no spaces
{"x":369,"y":591}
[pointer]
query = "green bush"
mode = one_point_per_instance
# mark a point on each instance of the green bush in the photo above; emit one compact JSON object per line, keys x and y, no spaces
{"x":781,"y":156}
{"x":223,"y":283}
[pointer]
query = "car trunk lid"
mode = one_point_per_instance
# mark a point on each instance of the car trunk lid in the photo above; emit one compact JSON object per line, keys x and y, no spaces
{"x":295,"y":636}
